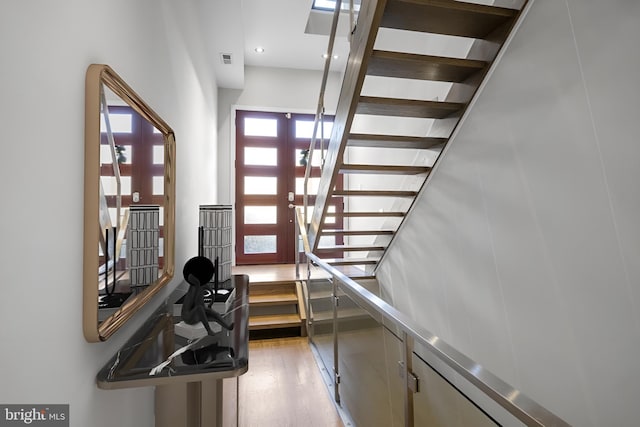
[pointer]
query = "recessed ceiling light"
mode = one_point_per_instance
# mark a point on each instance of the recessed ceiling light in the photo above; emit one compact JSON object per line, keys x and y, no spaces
{"x":326,"y":55}
{"x":259,"y":49}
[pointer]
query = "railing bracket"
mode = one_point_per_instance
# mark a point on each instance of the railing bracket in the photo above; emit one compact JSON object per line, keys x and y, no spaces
{"x":412,"y":381}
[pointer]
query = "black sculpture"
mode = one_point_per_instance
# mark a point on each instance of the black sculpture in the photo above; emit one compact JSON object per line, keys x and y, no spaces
{"x":198,"y":271}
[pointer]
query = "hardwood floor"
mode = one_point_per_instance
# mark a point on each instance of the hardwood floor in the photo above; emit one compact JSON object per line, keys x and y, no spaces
{"x":284,"y":387}
{"x":285,"y":272}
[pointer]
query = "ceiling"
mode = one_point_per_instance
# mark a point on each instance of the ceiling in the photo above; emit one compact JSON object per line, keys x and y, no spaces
{"x":291,"y":34}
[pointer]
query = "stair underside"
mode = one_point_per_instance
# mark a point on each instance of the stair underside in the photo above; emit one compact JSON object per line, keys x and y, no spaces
{"x":394,"y":141}
{"x":446,"y":17}
{"x":384,"y":169}
{"x":422,"y":67}
{"x":398,"y":107}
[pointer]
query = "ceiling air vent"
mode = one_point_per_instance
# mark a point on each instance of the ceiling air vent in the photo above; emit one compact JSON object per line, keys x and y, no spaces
{"x":226,"y":58}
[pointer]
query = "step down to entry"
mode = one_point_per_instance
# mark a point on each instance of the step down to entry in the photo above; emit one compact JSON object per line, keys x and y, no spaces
{"x":273,"y":321}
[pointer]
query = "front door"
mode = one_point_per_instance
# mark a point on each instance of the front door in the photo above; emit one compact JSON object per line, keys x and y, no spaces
{"x":269,"y":180}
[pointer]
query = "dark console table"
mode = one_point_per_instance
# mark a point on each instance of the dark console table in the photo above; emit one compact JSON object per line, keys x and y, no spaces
{"x":157,"y":356}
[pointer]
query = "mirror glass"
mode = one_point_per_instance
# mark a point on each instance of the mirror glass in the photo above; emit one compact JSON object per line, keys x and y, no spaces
{"x":129,"y":203}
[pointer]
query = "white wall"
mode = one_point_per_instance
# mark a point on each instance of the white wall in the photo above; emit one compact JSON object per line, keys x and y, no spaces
{"x":267,"y":89}
{"x":45,"y":48}
{"x":527,"y":259}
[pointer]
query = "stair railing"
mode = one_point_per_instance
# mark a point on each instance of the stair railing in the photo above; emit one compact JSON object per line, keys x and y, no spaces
{"x":420,"y":351}
{"x":300,"y":236}
{"x":320,"y":111}
{"x":112,"y":149}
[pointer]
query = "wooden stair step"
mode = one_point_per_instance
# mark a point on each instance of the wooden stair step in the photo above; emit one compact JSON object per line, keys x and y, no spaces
{"x":366,"y":214}
{"x":282,"y":298}
{"x":447,"y":17}
{"x":375,"y":193}
{"x":273,"y":284}
{"x":394,"y":141}
{"x":352,"y":261}
{"x":347,"y":248}
{"x":423,"y":67}
{"x":399,"y":107}
{"x":272,"y":288}
{"x":274,"y":321}
{"x":331,"y":232}
{"x":384,"y":169}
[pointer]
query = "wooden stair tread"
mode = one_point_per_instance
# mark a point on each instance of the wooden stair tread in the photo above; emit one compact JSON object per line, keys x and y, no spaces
{"x":355,"y":232}
{"x":447,"y":17}
{"x":376,"y":193}
{"x":272,"y":321}
{"x":273,"y":299}
{"x":366,"y":214}
{"x":352,"y":261}
{"x":399,"y":107}
{"x":273,"y":282}
{"x":384,"y":169}
{"x":423,"y":67}
{"x":394,"y":141}
{"x":347,"y":248}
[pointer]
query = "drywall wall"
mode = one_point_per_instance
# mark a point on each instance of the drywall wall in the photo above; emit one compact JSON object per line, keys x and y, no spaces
{"x":527,"y":256}
{"x":45,"y":49}
{"x":267,"y":89}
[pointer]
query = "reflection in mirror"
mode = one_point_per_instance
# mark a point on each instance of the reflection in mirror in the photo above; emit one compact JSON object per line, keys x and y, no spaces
{"x":129,"y":189}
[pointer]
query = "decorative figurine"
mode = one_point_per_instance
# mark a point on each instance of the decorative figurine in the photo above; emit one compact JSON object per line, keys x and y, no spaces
{"x":198,"y":271}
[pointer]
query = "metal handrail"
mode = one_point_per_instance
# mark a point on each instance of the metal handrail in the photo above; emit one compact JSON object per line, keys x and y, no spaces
{"x":511,"y":399}
{"x":112,"y":148}
{"x":319,"y":118}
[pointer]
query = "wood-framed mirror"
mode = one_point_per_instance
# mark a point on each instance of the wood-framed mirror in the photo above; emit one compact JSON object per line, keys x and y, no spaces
{"x":129,"y":203}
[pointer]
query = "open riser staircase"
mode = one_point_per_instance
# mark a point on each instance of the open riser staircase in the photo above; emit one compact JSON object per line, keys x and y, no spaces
{"x":400,"y":102}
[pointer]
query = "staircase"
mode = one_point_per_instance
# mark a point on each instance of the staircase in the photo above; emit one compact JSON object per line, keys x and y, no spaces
{"x":379,"y":193}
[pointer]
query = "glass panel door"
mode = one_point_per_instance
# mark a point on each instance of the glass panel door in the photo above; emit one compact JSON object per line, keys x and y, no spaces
{"x":268,"y":181}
